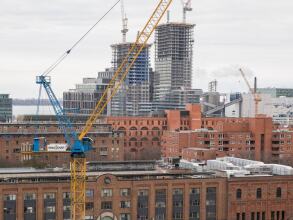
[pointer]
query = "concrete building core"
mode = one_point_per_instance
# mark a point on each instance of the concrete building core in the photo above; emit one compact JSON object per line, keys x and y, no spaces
{"x":173,"y":65}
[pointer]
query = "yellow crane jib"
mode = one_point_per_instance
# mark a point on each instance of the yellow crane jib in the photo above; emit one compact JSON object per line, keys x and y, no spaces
{"x":126,"y":64}
{"x":78,"y":164}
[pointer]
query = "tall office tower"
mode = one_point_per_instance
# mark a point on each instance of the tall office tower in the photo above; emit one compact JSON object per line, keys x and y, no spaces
{"x":133,"y":97}
{"x":84,"y":97}
{"x":5,"y":108}
{"x":173,"y":66}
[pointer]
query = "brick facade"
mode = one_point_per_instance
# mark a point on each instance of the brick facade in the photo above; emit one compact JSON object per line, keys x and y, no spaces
{"x":144,"y":195}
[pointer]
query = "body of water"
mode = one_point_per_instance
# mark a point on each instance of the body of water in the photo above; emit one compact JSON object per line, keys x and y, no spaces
{"x":31,"y":110}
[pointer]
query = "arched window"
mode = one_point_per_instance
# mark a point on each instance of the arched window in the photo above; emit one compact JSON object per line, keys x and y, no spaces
{"x":238,"y":194}
{"x":132,"y":139}
{"x":155,"y":139}
{"x":133,"y":129}
{"x":144,"y":139}
{"x":258,"y":193}
{"x":156,"y":129}
{"x":133,"y":142}
{"x":144,"y":129}
{"x":279,"y":192}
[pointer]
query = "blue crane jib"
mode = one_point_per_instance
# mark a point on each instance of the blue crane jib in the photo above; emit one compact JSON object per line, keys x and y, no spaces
{"x":76,"y":146}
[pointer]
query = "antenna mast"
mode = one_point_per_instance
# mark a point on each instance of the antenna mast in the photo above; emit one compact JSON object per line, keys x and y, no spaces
{"x":124,"y":22}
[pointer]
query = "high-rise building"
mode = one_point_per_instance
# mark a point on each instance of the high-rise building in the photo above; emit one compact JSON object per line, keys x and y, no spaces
{"x":133,"y":97}
{"x":173,"y":66}
{"x":84,"y":97}
{"x":5,"y":108}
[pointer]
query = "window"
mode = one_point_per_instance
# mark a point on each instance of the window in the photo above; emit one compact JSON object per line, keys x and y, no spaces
{"x":177,"y":215}
{"x":279,"y":192}
{"x":49,"y":195}
{"x":124,"y":216}
{"x":89,"y":193}
{"x":243,"y":216}
{"x":263,"y":216}
{"x":125,"y":204}
{"x":194,"y":191}
{"x":66,"y":208}
{"x":9,"y":210}
{"x":106,"y":193}
{"x":194,"y":215}
{"x":258,"y":216}
{"x":238,"y":216}
{"x":272,"y":215}
{"x":178,"y":203}
{"x":106,"y":205}
{"x":66,"y":195}
{"x":258,"y":193}
{"x":9,"y":197}
{"x":29,"y":196}
{"x":160,"y":204}
{"x":49,"y":209}
{"x":238,"y":194}
{"x":142,"y":205}
{"x":125,"y":192}
{"x":252,"y":216}
{"x":142,"y":217}
{"x":194,"y":202}
{"x":143,"y":192}
{"x":278,"y":215}
{"x":89,"y":206}
{"x":177,"y":191}
{"x":28,"y":210}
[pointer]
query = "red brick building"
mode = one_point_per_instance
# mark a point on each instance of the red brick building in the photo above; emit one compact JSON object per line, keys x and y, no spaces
{"x":253,"y":138}
{"x":150,"y":194}
{"x":16,"y":143}
{"x":166,"y":135}
{"x":142,"y":135}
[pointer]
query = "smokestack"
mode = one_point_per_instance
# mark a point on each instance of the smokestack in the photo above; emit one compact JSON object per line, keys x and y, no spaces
{"x":255,"y":84}
{"x":168,"y":16}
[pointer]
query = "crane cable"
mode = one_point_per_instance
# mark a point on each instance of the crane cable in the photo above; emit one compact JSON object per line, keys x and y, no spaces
{"x":66,"y":53}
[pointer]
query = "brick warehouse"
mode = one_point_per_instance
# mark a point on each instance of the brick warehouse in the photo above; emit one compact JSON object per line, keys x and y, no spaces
{"x":148,"y":194}
{"x":148,"y":137}
{"x":16,"y":143}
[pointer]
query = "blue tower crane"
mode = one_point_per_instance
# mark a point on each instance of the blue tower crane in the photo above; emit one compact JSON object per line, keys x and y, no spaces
{"x":77,"y":147}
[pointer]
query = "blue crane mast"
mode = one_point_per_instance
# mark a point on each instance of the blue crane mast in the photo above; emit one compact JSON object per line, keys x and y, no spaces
{"x":76,"y":146}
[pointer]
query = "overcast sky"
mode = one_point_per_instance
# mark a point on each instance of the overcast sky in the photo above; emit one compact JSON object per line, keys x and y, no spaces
{"x":256,"y":34}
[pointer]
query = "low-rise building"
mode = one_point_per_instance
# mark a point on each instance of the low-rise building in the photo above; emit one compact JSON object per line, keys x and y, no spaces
{"x":147,"y":193}
{"x":16,"y":141}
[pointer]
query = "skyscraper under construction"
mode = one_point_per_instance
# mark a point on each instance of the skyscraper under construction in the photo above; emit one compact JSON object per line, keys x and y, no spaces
{"x":173,"y":66}
{"x":134,"y":97}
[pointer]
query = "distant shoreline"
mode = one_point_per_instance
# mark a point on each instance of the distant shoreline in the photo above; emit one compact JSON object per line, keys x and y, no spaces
{"x":32,"y":102}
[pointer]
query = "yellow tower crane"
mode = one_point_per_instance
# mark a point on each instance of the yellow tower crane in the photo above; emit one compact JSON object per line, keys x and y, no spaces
{"x":253,"y":91}
{"x":78,"y":164}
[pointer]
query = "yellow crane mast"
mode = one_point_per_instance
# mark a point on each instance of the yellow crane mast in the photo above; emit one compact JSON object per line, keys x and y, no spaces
{"x":78,"y":164}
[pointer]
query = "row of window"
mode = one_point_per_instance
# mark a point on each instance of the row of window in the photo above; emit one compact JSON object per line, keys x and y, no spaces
{"x":149,"y":122}
{"x":66,"y":195}
{"x":258,"y":193}
{"x":275,"y":215}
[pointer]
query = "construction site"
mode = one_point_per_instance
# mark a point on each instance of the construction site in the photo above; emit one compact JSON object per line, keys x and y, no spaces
{"x":136,"y":142}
